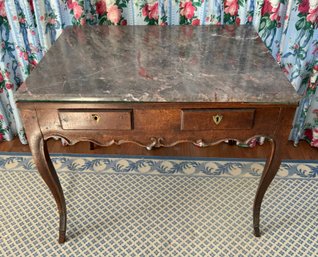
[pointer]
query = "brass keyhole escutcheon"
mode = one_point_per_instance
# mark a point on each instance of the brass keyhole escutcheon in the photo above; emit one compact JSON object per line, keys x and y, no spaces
{"x":95,"y":117}
{"x":217,"y":119}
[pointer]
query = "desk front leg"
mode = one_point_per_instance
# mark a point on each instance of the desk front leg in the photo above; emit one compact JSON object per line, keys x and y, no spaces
{"x":272,"y":165}
{"x":270,"y":170}
{"x":42,"y":160}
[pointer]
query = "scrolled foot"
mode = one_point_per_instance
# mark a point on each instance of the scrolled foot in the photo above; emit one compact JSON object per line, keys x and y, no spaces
{"x":257,"y":232}
{"x":62,"y":237}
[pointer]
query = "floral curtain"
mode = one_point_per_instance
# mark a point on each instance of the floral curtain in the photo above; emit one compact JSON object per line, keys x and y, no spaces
{"x":289,"y":29}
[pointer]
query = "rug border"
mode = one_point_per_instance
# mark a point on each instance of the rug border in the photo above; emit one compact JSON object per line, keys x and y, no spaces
{"x":159,"y":157}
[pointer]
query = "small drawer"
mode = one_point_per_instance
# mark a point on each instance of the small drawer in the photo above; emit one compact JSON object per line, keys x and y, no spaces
{"x":96,"y":119}
{"x":211,"y":119}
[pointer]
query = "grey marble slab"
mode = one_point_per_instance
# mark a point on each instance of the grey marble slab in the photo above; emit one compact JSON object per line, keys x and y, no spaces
{"x":158,"y":64}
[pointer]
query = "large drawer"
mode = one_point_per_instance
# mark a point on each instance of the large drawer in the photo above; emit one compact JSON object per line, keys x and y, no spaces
{"x":96,"y":119}
{"x":211,"y":119}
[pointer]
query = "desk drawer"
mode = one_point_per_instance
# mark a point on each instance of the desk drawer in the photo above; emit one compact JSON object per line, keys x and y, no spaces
{"x":208,"y":119}
{"x":96,"y":119}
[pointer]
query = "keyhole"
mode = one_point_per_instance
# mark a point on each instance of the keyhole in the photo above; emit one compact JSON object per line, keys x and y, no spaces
{"x":95,"y":117}
{"x":217,"y":119}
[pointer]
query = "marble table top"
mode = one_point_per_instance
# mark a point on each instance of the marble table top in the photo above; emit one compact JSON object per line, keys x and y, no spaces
{"x":158,"y":64}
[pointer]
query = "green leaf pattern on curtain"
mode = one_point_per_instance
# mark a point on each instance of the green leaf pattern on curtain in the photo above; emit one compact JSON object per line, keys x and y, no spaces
{"x":289,"y":29}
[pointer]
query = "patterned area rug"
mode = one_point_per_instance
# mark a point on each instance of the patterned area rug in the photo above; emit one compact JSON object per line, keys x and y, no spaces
{"x":129,"y":206}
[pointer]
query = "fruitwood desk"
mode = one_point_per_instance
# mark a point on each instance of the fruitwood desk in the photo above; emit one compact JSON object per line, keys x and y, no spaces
{"x":156,"y":87}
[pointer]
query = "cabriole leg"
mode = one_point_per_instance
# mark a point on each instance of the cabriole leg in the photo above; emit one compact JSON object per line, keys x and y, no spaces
{"x":42,"y":160}
{"x":270,"y":170}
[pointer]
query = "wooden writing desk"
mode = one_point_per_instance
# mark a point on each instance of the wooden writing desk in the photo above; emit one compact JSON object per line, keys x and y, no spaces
{"x":156,"y":87}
